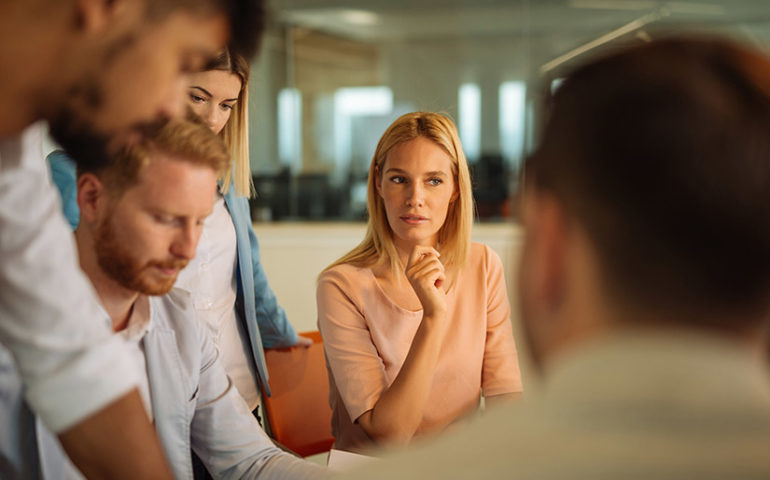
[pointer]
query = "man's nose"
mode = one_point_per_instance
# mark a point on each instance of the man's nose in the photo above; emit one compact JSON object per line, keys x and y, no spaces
{"x":186,"y":243}
{"x":173,"y":103}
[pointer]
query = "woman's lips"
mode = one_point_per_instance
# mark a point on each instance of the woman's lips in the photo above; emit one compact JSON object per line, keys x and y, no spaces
{"x":413,"y":219}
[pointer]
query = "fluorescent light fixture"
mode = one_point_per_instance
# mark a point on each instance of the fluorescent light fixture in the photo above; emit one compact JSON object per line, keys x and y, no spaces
{"x":350,"y":102}
{"x":470,"y":120}
{"x":512,"y":97}
{"x":290,"y":128}
{"x":607,"y":37}
{"x":363,"y":100}
{"x":361,"y":18}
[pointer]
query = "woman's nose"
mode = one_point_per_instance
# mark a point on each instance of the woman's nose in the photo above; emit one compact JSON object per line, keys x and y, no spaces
{"x":416,"y":197}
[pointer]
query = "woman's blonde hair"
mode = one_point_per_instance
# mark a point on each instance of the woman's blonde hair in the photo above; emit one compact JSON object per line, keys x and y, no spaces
{"x":454,"y":237}
{"x":236,"y":131}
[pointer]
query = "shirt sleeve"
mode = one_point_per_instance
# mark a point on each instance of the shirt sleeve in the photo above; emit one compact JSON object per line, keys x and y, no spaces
{"x":500,"y":372}
{"x":225,"y":434}
{"x":356,"y":367}
{"x":71,"y":366}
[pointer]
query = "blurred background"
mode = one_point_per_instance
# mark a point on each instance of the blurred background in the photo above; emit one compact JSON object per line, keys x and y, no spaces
{"x":333,"y":74}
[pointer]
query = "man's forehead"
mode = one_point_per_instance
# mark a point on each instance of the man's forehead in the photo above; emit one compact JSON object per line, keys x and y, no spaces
{"x":205,"y":34}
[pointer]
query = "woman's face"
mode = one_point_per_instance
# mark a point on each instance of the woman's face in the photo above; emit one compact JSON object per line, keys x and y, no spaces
{"x":212,"y":95}
{"x":417,"y":185}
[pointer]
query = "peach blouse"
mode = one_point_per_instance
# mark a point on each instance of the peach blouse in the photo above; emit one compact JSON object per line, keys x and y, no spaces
{"x":367,"y":338}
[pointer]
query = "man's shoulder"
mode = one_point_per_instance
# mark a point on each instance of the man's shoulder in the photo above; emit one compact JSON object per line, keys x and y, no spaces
{"x":173,"y":309}
{"x":24,"y":150}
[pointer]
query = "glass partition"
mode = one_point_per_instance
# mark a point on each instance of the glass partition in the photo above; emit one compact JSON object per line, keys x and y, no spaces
{"x":332,"y":75}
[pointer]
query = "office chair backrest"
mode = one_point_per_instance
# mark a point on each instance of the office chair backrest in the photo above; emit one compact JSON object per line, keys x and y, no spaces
{"x":298,"y":412}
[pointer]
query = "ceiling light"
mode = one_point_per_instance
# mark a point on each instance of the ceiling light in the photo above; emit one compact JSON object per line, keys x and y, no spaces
{"x":360,"y":17}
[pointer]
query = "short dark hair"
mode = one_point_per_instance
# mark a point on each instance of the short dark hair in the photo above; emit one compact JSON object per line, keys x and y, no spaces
{"x":662,"y":154}
{"x":246,"y":19}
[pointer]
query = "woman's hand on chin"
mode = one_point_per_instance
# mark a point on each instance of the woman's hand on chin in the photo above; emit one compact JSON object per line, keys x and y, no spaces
{"x":426,"y":275}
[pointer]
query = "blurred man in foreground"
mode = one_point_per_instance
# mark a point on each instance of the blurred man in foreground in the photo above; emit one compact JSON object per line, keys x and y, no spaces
{"x":645,"y":279}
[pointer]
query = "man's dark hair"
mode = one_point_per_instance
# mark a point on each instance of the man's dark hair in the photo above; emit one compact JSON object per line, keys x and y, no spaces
{"x":246,"y":19}
{"x":662,"y":154}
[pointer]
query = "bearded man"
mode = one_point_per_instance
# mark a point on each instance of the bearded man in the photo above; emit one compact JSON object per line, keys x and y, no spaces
{"x":142,"y":214}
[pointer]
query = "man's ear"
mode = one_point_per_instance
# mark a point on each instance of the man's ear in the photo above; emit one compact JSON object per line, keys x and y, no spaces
{"x":550,"y":224}
{"x":92,"y":197}
{"x":96,"y":16}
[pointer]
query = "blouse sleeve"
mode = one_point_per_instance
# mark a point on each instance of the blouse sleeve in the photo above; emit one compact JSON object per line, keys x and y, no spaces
{"x":500,"y":372}
{"x":354,"y":364}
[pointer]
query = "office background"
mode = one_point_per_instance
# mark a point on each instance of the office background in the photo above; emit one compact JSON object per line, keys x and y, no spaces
{"x":332,"y":74}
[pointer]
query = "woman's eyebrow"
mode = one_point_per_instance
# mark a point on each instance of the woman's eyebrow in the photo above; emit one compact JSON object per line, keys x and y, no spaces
{"x":202,"y":90}
{"x":434,"y":173}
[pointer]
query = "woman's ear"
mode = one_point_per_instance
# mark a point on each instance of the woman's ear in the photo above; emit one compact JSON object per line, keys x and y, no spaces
{"x":92,"y":197}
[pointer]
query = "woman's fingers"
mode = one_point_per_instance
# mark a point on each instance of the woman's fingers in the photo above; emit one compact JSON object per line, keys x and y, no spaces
{"x":427,"y":269}
{"x":426,"y":275}
{"x":419,"y":252}
{"x":439,"y":283}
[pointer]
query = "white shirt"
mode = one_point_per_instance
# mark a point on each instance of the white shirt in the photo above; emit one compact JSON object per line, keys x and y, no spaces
{"x":138,"y":325}
{"x":210,"y":278}
{"x":49,"y":316}
{"x":53,"y":461}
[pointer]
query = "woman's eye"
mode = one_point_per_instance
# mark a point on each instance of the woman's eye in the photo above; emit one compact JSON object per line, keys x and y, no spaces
{"x":226,"y":106}
{"x":164,"y":219}
{"x":397,"y":179}
{"x":196,"y":98}
{"x":435,"y":181}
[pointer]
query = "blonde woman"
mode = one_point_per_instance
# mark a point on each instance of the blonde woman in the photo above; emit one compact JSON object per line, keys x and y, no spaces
{"x":415,"y":319}
{"x":230,"y":291}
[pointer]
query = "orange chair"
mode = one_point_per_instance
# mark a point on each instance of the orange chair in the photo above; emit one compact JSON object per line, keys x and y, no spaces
{"x":298,"y":413}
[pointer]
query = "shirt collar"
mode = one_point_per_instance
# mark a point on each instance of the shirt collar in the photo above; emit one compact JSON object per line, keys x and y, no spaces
{"x":139,"y":323}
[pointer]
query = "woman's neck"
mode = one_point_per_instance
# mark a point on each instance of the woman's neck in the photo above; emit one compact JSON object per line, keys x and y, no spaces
{"x":404,"y":248}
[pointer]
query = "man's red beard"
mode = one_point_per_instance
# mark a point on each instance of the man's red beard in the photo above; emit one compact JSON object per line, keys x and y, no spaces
{"x":117,"y":261}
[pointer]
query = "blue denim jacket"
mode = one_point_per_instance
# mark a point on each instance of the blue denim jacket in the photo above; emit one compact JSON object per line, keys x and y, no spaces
{"x":255,"y":303}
